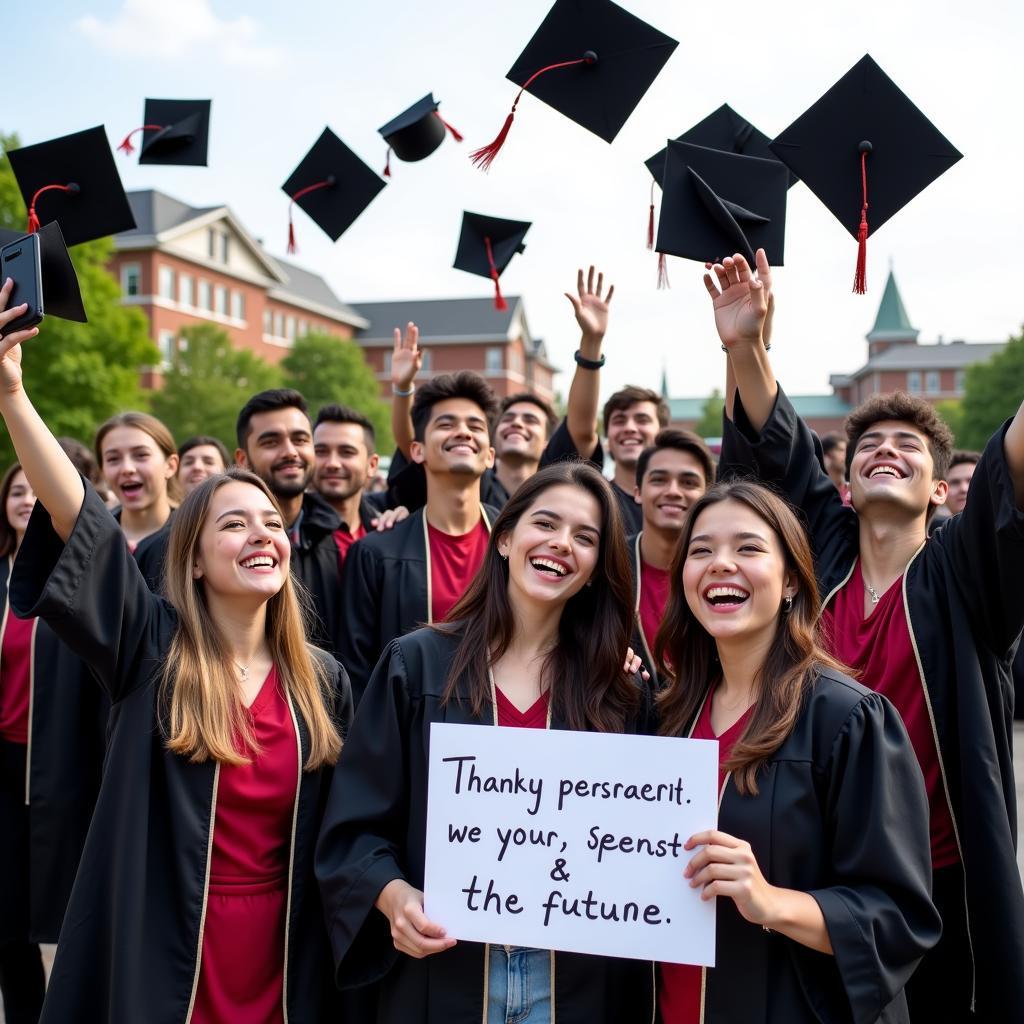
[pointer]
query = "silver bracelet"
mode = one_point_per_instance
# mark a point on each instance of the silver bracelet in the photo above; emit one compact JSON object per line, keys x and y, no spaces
{"x":403,"y":394}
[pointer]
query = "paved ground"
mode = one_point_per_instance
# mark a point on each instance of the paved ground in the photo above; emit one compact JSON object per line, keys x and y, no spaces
{"x":1018,"y":764}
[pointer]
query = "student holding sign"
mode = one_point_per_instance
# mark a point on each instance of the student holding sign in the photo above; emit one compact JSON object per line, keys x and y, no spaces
{"x":195,"y":897}
{"x":536,"y":641}
{"x":820,"y":860}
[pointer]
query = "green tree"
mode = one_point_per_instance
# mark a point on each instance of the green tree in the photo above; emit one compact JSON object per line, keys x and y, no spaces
{"x":328,"y":369}
{"x":951,"y":410}
{"x":710,"y":422}
{"x":993,"y":391}
{"x":79,"y":374}
{"x":208,"y":383}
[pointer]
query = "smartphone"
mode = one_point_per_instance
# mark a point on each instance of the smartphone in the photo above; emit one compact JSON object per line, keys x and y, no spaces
{"x":21,"y":262}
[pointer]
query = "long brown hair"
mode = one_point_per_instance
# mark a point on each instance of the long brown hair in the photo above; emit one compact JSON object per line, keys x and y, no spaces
{"x":199,"y":694}
{"x":8,"y":535}
{"x":156,"y":429}
{"x":591,"y":689}
{"x":688,"y":656}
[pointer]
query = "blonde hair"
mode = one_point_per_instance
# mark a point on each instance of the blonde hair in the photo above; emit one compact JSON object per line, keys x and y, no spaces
{"x":156,"y":429}
{"x":202,"y":710}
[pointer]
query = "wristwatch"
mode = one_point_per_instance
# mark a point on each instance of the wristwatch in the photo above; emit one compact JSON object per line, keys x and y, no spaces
{"x":588,"y":364}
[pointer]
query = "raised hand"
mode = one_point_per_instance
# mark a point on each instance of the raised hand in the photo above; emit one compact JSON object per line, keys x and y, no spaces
{"x":740,"y":299}
{"x":406,"y":357}
{"x":590,"y":307}
{"x":10,"y":344}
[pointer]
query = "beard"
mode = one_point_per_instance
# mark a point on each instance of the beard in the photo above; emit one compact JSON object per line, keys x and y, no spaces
{"x":289,"y":488}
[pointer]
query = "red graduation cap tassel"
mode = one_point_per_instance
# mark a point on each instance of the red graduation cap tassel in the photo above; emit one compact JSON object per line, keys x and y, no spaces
{"x":126,"y":143}
{"x":650,"y":221}
{"x":455,"y":134}
{"x":499,"y":299}
{"x":662,"y":272}
{"x":860,"y":278}
{"x":484,"y":157}
{"x":33,"y":217}
{"x":387,"y":164}
{"x":326,"y":183}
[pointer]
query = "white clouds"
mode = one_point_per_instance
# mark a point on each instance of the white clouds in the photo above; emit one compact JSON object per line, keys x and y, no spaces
{"x":156,"y":28}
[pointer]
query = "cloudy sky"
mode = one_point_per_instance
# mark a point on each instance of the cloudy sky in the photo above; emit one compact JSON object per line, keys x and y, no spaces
{"x":278,"y":72}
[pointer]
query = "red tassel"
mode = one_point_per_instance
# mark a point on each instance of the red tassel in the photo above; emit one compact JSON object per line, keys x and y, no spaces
{"x":126,"y":143}
{"x":499,"y":299}
{"x":33,"y":220}
{"x":387,"y":164}
{"x":33,"y":217}
{"x":662,"y":272}
{"x":650,"y":221}
{"x":860,"y":278}
{"x":328,"y":182}
{"x":484,"y":157}
{"x":292,"y":248}
{"x":456,"y":135}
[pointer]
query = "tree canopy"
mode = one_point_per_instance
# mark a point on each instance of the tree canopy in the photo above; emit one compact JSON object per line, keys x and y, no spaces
{"x":710,"y":422}
{"x":993,"y":391}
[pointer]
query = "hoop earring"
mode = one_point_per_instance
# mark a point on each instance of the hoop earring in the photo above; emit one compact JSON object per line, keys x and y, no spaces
{"x":787,"y":605}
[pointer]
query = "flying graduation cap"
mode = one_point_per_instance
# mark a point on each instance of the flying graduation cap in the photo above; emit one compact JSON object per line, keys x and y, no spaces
{"x":332,"y":185}
{"x":416,"y":132}
{"x":59,"y":292}
{"x":864,"y":148}
{"x":73,"y":180}
{"x":486,"y":247}
{"x":173,"y":132}
{"x":590,"y":60}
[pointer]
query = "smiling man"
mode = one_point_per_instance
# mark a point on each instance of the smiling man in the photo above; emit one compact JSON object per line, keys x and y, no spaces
{"x":670,"y":476}
{"x":275,"y":441}
{"x":933,"y":624}
{"x":415,"y":573}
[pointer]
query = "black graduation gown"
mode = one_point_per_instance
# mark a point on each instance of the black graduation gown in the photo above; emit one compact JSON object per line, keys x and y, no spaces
{"x":385,"y":593}
{"x":128,"y":951}
{"x":64,"y":755}
{"x":315,"y":564}
{"x":642,"y":644}
{"x":374,"y":830}
{"x":842,"y":814}
{"x":965,"y":610}
{"x":632,"y":513}
{"x":151,"y":553}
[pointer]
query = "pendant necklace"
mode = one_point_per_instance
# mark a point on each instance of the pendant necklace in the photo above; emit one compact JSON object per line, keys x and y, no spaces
{"x":244,"y":669}
{"x":871,"y":590}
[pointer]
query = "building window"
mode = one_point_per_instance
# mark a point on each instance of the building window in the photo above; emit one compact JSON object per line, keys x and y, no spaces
{"x":220,"y":300}
{"x":914,"y":382}
{"x":205,"y":296}
{"x":186,"y":291}
{"x":165,"y":277}
{"x":493,"y":361}
{"x":387,"y":362}
{"x":225,"y":247}
{"x":211,"y":243}
{"x":427,"y":361}
{"x":515,"y":360}
{"x":268,"y":322}
{"x":958,"y":382}
{"x":289,"y":328}
{"x":303,"y":328}
{"x":238,"y":305}
{"x":932,"y":382}
{"x":131,"y":279}
{"x":278,"y":325}
{"x":165,"y":341}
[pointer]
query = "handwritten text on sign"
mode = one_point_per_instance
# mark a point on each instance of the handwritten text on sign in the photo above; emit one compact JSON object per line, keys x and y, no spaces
{"x":570,"y":840}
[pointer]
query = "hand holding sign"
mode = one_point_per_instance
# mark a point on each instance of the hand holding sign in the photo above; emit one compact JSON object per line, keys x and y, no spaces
{"x":402,"y":905}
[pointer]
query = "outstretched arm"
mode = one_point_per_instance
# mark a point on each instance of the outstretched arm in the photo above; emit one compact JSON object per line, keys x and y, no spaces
{"x":54,"y":479}
{"x":591,"y":311}
{"x":406,"y":360}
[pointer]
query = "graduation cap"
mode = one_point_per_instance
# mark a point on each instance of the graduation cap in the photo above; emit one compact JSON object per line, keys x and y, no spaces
{"x":416,"y":132}
{"x":717,"y":203}
{"x":487,"y":245}
{"x":332,"y":185}
{"x":73,"y":180}
{"x":174,"y":132}
{"x":864,"y":146}
{"x":58,"y":291}
{"x":590,"y":60}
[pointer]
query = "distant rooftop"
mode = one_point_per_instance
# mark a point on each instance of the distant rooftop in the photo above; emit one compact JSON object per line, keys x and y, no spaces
{"x":952,"y":355}
{"x":812,"y":406}
{"x":439,"y":320}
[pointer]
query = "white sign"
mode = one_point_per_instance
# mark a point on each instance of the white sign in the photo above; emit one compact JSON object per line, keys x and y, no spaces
{"x":570,"y":840}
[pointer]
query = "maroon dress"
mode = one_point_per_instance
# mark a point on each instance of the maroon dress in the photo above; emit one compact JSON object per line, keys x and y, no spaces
{"x":241,"y":976}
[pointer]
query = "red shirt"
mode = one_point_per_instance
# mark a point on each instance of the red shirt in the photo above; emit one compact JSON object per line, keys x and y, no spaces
{"x":241,"y":978}
{"x":345,"y":538}
{"x":534,"y":717}
{"x":653,"y":598}
{"x":679,"y":990}
{"x":880,"y":648}
{"x":15,"y":678}
{"x":454,"y":561}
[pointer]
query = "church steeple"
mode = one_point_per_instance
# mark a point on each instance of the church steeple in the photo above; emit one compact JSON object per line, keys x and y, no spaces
{"x":892,"y":325}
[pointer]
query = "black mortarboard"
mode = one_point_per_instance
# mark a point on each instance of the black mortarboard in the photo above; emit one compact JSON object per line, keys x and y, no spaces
{"x":602,"y":58}
{"x":716,"y":203}
{"x":74,"y":181}
{"x":864,"y":150}
{"x":332,"y":185}
{"x":174,"y":132}
{"x":487,"y":245}
{"x":416,"y":132}
{"x":61,"y":296}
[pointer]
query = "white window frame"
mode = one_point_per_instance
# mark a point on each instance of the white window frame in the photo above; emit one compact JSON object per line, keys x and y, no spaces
{"x":128,"y":272}
{"x":914,"y":382}
{"x":186,"y":290}
{"x":166,"y":281}
{"x":205,"y":295}
{"x":932,"y":382}
{"x":220,"y":299}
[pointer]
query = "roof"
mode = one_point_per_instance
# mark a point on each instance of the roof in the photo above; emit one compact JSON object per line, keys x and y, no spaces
{"x":892,"y":322}
{"x":305,"y":288}
{"x":951,"y":356}
{"x":155,"y":213}
{"x":439,"y":320}
{"x":809,"y":406}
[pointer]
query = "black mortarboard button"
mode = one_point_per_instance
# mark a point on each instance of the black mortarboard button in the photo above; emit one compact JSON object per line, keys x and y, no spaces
{"x":416,"y":132}
{"x":487,"y":245}
{"x":717,"y":203}
{"x":864,"y":145}
{"x":332,"y":185}
{"x":174,"y":132}
{"x":605,"y":59}
{"x":73,"y":180}
{"x":61,"y":294}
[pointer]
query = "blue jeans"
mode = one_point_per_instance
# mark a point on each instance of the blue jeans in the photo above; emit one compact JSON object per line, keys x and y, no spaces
{"x":519,"y":986}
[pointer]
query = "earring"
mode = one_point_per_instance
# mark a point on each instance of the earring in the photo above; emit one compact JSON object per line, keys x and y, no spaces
{"x":787,"y":605}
